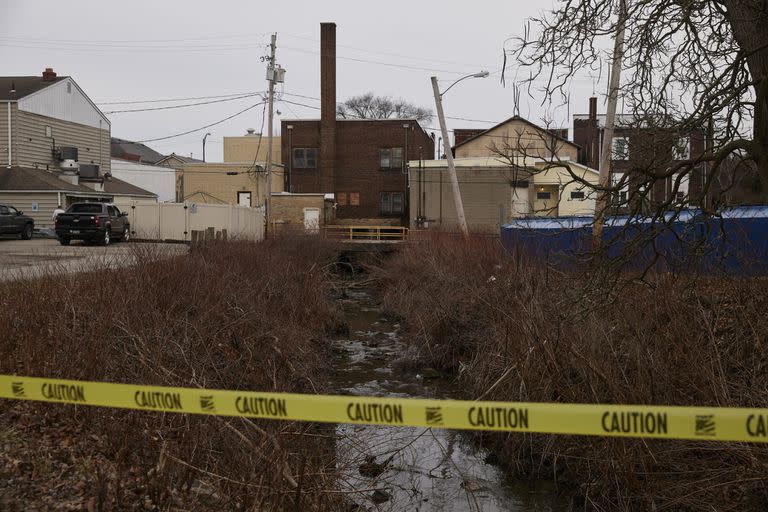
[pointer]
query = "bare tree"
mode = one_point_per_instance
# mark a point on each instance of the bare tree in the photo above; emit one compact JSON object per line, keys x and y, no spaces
{"x":687,"y":67}
{"x":368,"y":106}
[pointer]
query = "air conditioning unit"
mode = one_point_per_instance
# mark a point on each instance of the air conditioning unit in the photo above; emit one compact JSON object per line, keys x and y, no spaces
{"x":67,"y":156}
{"x":89,"y":172}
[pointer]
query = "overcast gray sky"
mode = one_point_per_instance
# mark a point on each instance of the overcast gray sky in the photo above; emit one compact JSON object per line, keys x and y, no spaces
{"x":160,"y":49}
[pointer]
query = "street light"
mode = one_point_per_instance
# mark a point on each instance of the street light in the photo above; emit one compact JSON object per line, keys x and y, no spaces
{"x":205,"y":137}
{"x":447,"y":147}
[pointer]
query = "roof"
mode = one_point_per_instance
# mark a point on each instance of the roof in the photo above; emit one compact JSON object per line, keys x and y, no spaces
{"x":621,"y":120}
{"x":129,"y":150}
{"x":492,"y":162}
{"x":183,"y":159}
{"x":23,"y":178}
{"x":123,"y":188}
{"x":521,"y":119}
{"x":26,"y":179}
{"x":355,"y":119}
{"x":24,"y":85}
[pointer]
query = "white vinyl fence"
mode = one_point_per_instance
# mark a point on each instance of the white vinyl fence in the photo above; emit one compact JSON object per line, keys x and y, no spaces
{"x":176,"y":221}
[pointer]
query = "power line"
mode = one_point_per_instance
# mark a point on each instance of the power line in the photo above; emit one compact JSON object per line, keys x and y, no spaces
{"x":357,"y":117}
{"x":206,"y":38}
{"x":389,"y":54}
{"x":203,"y":127}
{"x":129,"y":102}
{"x":186,"y":105}
{"x":379,"y":63}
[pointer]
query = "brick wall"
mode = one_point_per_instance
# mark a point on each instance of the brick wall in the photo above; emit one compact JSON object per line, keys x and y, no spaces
{"x":288,"y":210}
{"x":357,"y":168}
{"x":650,"y":152}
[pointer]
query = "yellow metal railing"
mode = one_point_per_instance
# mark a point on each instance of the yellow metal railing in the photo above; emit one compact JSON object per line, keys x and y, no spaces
{"x":369,"y":233}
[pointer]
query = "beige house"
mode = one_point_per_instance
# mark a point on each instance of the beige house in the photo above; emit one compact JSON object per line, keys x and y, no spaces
{"x":250,"y":147}
{"x":227,"y":183}
{"x":55,"y":148}
{"x":494,"y":191}
{"x":518,"y":136}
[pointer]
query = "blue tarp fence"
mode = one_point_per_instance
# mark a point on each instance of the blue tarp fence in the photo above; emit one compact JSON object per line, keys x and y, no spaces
{"x":733,"y":243}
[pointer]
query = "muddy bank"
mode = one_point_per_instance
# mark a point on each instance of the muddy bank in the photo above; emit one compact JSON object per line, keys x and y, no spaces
{"x":510,"y":329}
{"x":385,"y":468}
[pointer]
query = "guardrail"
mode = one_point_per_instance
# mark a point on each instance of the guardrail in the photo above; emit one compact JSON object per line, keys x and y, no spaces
{"x":367,"y":233}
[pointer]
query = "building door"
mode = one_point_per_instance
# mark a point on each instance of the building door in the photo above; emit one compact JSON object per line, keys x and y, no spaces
{"x":521,"y":206}
{"x":312,"y":220}
{"x":546,"y":199}
{"x":244,"y":199}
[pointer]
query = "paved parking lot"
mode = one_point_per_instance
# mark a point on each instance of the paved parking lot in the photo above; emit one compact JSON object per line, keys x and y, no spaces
{"x":28,"y":258}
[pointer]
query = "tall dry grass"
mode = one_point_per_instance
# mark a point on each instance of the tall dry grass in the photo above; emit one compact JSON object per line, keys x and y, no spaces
{"x":235,"y":315}
{"x":512,"y":329}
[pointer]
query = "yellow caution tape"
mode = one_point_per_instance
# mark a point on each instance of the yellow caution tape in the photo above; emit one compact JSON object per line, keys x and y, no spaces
{"x":700,"y":423}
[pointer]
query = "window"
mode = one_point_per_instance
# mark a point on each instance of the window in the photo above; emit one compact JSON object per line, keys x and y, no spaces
{"x":305,"y":158}
{"x":354,"y":199}
{"x":111,"y":211}
{"x":543,"y":195}
{"x":4,"y":210}
{"x":681,"y":196}
{"x":341,"y":198}
{"x":69,"y":87}
{"x":621,"y":189}
{"x":87,"y":208}
{"x":620,"y":148}
{"x":48,"y":132}
{"x":391,"y":203}
{"x":391,"y":158}
{"x":681,"y":150}
{"x":577,"y":194}
{"x":244,"y":199}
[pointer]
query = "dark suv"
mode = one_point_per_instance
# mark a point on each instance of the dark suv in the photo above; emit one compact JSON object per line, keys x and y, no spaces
{"x":14,"y":222}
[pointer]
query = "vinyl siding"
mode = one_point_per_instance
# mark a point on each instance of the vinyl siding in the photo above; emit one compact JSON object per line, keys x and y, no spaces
{"x":157,"y":179}
{"x":46,"y":201}
{"x":4,"y":131}
{"x":517,"y":138}
{"x":33,"y":148}
{"x":483,"y":192}
{"x":64,"y":100}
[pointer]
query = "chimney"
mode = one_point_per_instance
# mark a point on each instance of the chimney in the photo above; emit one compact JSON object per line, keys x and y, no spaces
{"x":593,"y":108}
{"x":49,"y":74}
{"x":327,"y":106}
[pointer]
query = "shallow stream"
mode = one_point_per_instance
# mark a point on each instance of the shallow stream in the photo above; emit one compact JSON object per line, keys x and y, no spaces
{"x":413,"y":469}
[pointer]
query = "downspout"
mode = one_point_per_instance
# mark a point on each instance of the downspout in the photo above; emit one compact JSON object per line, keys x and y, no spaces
{"x":101,"y":160}
{"x":10,"y":138}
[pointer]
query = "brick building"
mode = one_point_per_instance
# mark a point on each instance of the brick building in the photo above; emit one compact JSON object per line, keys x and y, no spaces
{"x":640,"y":152}
{"x":362,"y":161}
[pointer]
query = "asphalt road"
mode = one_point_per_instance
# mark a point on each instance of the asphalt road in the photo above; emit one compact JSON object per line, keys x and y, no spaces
{"x":29,"y":258}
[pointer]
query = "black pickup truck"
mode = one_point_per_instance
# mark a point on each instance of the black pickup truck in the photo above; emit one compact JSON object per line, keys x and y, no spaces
{"x":14,"y":222}
{"x":93,"y":222}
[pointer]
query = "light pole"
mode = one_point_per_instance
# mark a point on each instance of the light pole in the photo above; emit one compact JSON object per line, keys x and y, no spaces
{"x":447,"y":147}
{"x":204,"y":137}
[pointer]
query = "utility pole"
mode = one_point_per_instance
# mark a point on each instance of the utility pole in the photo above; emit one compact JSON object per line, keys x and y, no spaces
{"x":449,"y":157}
{"x":601,"y":205}
{"x":271,"y":79}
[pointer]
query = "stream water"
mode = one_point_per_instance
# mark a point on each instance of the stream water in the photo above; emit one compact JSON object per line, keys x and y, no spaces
{"x":413,"y":469}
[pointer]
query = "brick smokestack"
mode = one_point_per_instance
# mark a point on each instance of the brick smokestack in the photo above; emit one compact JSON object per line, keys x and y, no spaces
{"x":49,"y":74}
{"x":327,"y":106}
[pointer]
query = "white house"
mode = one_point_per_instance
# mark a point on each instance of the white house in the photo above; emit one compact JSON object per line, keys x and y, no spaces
{"x":157,"y":179}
